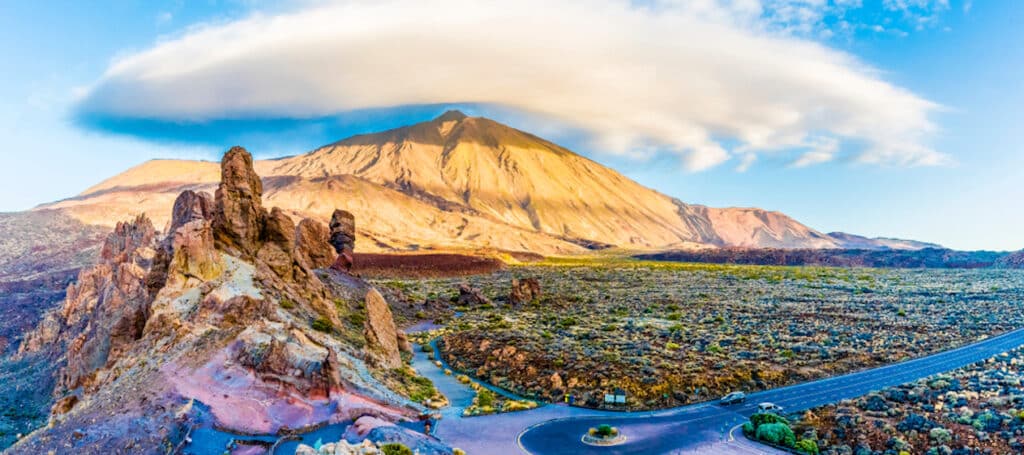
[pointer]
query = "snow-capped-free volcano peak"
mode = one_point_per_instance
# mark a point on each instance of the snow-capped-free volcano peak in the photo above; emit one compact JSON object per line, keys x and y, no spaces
{"x":462,"y":182}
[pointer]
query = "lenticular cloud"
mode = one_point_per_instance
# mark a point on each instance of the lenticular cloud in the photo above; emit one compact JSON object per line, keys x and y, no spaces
{"x":666,"y":78}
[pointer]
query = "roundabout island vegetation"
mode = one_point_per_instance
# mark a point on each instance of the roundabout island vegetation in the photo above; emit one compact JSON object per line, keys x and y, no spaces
{"x":604,"y":435}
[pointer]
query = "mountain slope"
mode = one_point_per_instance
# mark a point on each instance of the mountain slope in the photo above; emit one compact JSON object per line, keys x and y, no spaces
{"x":462,"y":182}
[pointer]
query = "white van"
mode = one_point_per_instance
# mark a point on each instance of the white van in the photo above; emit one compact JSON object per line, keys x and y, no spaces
{"x":769,"y":408}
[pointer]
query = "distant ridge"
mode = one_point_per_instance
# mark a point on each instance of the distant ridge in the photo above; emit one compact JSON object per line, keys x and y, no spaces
{"x":853,"y":241}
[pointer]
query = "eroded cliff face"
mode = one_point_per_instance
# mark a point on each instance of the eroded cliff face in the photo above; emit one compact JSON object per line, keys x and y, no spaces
{"x":105,"y":309}
{"x":227,"y":309}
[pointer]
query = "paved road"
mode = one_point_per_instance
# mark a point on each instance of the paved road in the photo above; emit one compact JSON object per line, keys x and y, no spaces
{"x":705,"y":428}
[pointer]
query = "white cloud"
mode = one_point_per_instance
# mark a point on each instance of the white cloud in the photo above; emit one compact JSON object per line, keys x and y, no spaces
{"x":821,"y":150}
{"x":677,"y":77}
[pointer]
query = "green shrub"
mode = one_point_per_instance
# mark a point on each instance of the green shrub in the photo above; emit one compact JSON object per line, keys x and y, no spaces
{"x":287,"y":304}
{"x":807,"y":446}
{"x":485,"y":398}
{"x":765,"y":418}
{"x":748,"y":429}
{"x":940,"y":435}
{"x":776,"y":433}
{"x":395,"y":448}
{"x":357,"y":318}
{"x":322,"y":324}
{"x":604,"y":430}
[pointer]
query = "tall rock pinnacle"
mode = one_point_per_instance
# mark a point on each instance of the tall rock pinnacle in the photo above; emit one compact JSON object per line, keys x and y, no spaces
{"x":238,"y":214}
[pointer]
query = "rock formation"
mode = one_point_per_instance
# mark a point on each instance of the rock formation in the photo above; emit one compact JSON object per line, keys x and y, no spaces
{"x":523,"y":291}
{"x":187,"y":252}
{"x":469,"y":296}
{"x":239,"y":214}
{"x":343,"y":238}
{"x":381,"y":333}
{"x":105,"y":310}
{"x":312,"y":247}
{"x":227,"y":310}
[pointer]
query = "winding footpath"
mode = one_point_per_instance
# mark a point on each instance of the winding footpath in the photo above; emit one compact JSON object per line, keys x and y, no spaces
{"x":700,"y":428}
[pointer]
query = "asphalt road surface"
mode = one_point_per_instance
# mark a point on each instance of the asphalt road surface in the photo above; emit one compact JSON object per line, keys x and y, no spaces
{"x":711,"y":428}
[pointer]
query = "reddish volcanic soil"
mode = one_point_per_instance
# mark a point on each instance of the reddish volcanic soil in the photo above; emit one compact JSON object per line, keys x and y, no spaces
{"x":434,"y":265}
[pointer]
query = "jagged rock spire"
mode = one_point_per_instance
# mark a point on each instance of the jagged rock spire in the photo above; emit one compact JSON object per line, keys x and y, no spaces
{"x":238,"y":215}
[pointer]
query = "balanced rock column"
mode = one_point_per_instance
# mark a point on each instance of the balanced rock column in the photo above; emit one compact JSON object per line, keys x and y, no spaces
{"x":343,"y":238}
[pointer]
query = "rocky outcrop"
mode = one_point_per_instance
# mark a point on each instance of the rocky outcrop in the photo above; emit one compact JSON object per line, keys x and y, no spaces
{"x":279,"y":240}
{"x":238,"y":216}
{"x":469,"y":296}
{"x":343,"y":238}
{"x":312,"y":245}
{"x":287,"y":357}
{"x":524,"y":290}
{"x":243,"y":228}
{"x":380,"y":331}
{"x":187,"y":252}
{"x":105,"y":310}
{"x":226,"y":309}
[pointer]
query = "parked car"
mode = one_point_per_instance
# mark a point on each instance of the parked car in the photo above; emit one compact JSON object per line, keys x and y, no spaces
{"x":769,"y":408}
{"x":734,"y":397}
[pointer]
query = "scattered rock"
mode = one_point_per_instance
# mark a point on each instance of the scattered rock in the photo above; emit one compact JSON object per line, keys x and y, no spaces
{"x":63,"y":405}
{"x":524,"y":291}
{"x":469,"y":296}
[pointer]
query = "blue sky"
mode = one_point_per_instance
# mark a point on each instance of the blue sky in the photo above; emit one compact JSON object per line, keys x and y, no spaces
{"x":908,"y":125}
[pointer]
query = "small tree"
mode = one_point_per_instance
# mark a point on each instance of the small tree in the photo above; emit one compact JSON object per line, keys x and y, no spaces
{"x":605,"y":431}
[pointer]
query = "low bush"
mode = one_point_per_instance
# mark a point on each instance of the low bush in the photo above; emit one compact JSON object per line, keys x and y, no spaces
{"x":776,"y":433}
{"x":322,"y":325}
{"x":395,"y":448}
{"x":808,"y":446}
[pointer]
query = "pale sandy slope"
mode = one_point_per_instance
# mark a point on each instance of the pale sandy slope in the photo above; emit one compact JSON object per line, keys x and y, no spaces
{"x":459,"y":182}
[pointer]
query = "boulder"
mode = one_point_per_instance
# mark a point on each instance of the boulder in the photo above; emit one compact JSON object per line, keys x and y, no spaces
{"x":469,"y":296}
{"x":313,"y":249}
{"x":380,"y":331}
{"x":524,"y":291}
{"x":238,"y":210}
